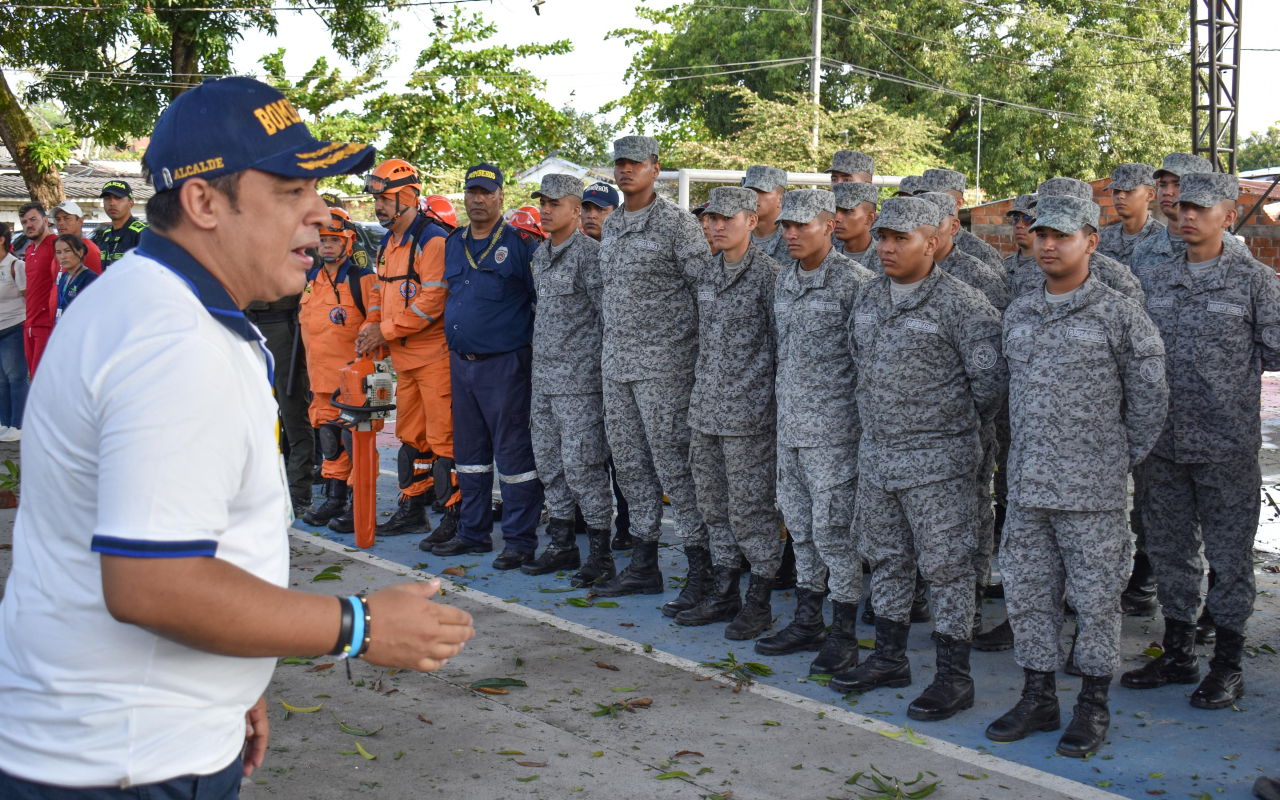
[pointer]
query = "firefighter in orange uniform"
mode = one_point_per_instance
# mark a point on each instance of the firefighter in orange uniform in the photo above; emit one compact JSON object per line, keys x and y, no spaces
{"x":331,"y":311}
{"x":406,"y":313}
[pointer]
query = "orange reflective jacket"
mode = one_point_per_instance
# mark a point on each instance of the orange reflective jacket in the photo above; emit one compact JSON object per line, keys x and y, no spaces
{"x":330,"y":318}
{"x":408,"y":301}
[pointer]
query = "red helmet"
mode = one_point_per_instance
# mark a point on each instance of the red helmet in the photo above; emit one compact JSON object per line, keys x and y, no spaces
{"x":527,"y":218}
{"x":439,"y":208}
{"x":341,"y":226}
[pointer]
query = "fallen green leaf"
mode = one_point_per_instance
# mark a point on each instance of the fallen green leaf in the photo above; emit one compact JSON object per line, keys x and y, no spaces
{"x":911,"y":735}
{"x":666,"y":776}
{"x":1103,"y":784}
{"x":421,"y":565}
{"x":890,"y":734}
{"x":798,"y":766}
{"x":353,"y":731}
{"x":596,"y":754}
{"x":510,"y":753}
{"x":399,"y":753}
{"x":1268,"y":648}
{"x":625,"y":689}
{"x":606,"y":604}
{"x":867,"y":644}
{"x":301,"y":710}
{"x":557,"y":591}
{"x":367,"y":755}
{"x":771,"y":723}
{"x":822,"y":678}
{"x":327,"y":576}
{"x":526,"y":780}
{"x":706,"y":771}
{"x":346,"y":752}
{"x":1153,"y":652}
{"x":296,"y":660}
{"x":1231,"y":757}
{"x":579,"y":602}
{"x":1156,"y":775}
{"x":972,"y":777}
{"x":648,"y":648}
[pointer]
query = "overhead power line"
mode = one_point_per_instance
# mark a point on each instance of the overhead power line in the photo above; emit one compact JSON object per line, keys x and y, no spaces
{"x":230,"y":9}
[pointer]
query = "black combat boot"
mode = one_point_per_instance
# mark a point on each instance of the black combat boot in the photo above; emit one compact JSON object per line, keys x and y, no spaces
{"x":806,"y":631}
{"x":952,"y":689}
{"x":346,"y":521}
{"x":887,"y":666}
{"x":720,"y":603}
{"x":869,"y":612}
{"x":1037,"y":709}
{"x":335,"y":500}
{"x":840,"y":653}
{"x":623,"y":540}
{"x":1206,"y":628}
{"x":561,"y":551}
{"x":1139,"y":597}
{"x":411,"y":517}
{"x":1090,"y":720}
{"x":998,"y":638}
{"x":919,"y":601}
{"x":599,"y":566}
{"x":444,"y":532}
{"x":698,"y":582}
{"x":1225,"y":682}
{"x":641,"y":576}
{"x":756,"y":614}
{"x":786,"y":577}
{"x":1178,"y":664}
{"x":1265,"y":788}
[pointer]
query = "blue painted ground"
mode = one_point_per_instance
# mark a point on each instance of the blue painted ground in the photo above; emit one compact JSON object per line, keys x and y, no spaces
{"x":1195,"y":752}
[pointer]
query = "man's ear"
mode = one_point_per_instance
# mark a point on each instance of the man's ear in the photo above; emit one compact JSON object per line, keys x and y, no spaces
{"x":200,"y":203}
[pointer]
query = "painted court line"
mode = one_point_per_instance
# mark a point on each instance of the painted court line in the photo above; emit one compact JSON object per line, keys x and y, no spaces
{"x":1024,"y":773}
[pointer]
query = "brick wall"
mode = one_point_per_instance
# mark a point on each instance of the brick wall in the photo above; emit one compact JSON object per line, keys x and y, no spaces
{"x":1261,"y":231}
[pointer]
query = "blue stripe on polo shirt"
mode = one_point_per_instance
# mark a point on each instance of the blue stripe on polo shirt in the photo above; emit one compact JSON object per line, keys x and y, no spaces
{"x":144,"y":548}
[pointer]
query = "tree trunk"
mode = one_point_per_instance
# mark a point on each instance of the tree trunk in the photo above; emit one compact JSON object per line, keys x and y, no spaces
{"x":18,"y":135}
{"x":186,"y":61}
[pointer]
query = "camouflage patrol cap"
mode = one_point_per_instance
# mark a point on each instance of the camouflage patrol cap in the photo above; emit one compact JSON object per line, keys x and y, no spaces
{"x":852,"y":162}
{"x":1068,"y":187}
{"x":1127,"y":177}
{"x":943,"y":180}
{"x":1066,"y":213}
{"x":1181,"y":164}
{"x":945,"y":202}
{"x":802,"y":205}
{"x":910,"y":185}
{"x":635,"y":148}
{"x":727,"y":201}
{"x":556,"y":186}
{"x":1023,"y":204}
{"x":906,"y":214}
{"x":766,"y":179}
{"x":1207,"y":189}
{"x":850,"y":195}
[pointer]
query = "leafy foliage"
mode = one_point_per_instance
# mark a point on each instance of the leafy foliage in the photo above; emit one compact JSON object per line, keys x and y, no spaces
{"x":466,"y":104}
{"x":1114,"y":75}
{"x":1260,"y":150}
{"x":52,"y":149}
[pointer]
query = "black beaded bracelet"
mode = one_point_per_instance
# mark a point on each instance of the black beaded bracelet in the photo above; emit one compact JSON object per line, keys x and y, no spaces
{"x":344,"y":631}
{"x":368,"y":628}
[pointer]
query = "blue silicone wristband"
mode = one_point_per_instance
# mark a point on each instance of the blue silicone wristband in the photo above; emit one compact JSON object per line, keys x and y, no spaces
{"x":355,"y":647}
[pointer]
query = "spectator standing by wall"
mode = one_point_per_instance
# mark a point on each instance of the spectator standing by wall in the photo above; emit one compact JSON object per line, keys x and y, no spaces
{"x":41,"y":269}
{"x":70,"y":251}
{"x":13,"y":360}
{"x":69,"y":219}
{"x":125,"y":230}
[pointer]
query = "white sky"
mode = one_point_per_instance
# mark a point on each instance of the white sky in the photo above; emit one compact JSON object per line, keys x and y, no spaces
{"x":595,"y":68}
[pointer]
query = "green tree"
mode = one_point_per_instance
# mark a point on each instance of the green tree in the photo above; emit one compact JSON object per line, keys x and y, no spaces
{"x":1260,"y":150}
{"x":466,"y":104}
{"x":113,"y":67}
{"x":1111,"y":76}
{"x":589,"y":138}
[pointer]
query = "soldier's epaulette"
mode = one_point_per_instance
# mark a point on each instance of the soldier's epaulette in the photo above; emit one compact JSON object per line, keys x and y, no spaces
{"x":138,"y":226}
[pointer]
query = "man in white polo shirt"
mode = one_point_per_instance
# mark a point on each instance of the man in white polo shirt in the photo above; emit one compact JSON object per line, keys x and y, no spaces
{"x":147,"y":601}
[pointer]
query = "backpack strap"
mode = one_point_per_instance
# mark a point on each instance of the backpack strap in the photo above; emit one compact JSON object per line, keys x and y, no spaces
{"x":414,"y":232}
{"x":354,"y":274}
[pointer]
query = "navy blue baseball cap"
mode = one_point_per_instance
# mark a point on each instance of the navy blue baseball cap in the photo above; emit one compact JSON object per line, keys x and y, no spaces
{"x":486,"y":176}
{"x":601,"y":194}
{"x":231,"y":124}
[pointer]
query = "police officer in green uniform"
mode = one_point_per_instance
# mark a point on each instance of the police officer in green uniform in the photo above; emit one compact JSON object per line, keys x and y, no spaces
{"x":125,"y":229}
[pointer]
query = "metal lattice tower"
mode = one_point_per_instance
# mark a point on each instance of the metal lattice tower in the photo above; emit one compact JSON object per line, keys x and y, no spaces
{"x":1215,"y":80}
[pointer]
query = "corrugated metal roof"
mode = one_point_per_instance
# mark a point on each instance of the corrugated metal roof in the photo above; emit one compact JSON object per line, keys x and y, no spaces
{"x":75,"y":187}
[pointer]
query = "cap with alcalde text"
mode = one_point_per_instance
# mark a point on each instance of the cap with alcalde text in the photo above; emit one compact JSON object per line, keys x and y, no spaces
{"x":226,"y":125}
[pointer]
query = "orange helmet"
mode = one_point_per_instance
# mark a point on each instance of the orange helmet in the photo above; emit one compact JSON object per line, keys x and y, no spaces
{"x":439,"y":208}
{"x":528,"y":218}
{"x":392,"y":174}
{"x":341,"y":226}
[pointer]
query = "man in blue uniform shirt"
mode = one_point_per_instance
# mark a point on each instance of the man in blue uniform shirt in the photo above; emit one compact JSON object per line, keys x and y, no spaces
{"x":489,"y":330}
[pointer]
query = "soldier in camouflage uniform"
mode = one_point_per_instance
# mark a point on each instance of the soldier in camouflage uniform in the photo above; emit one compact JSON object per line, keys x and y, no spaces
{"x":818,"y":431}
{"x":1218,"y":310}
{"x":952,"y":183}
{"x":1108,"y":270}
{"x":1166,"y":244}
{"x":855,"y":213}
{"x":651,"y":252}
{"x":930,"y":377}
{"x":567,"y":412}
{"x":909,"y":185}
{"x":732,"y":417}
{"x":850,"y":166}
{"x":769,"y":183}
{"x":1133,"y":190}
{"x":1021,"y":216}
{"x":1087,"y":400}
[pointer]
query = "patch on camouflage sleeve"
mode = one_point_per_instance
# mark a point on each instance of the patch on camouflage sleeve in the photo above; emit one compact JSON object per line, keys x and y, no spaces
{"x":1152,"y":370}
{"x":1151,"y":344}
{"x":984,"y":356}
{"x":1271,"y":336}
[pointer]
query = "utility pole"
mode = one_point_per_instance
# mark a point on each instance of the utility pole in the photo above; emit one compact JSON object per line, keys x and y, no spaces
{"x":1215,"y":81}
{"x":977,"y":189}
{"x":815,"y":72}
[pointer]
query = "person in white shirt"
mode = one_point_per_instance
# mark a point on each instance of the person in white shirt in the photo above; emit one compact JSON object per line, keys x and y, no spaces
{"x":148,"y":598}
{"x":13,"y":356}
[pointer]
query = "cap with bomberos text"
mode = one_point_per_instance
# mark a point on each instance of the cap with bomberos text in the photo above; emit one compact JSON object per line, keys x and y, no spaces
{"x":227,"y":125}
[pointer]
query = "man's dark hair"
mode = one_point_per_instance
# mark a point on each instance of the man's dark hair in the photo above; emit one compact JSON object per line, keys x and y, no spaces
{"x":6,"y":236}
{"x":25,"y":207}
{"x":164,"y":209}
{"x":75,"y":243}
